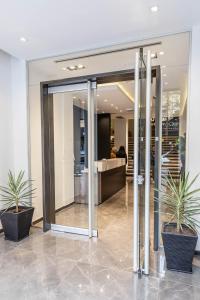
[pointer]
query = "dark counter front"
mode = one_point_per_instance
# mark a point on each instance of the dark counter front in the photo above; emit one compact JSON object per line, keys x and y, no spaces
{"x":110,"y":182}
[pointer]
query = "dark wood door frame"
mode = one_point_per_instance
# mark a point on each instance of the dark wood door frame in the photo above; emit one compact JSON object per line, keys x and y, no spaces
{"x":47,"y":124}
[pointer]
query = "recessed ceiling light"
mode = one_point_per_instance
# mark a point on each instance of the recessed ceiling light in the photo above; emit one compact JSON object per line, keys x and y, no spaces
{"x":64,"y":68}
{"x":83,"y":102}
{"x":23,"y":39}
{"x":74,"y":97}
{"x":116,"y":107}
{"x":103,"y":112}
{"x":164,"y":75}
{"x":111,"y":104}
{"x":161,"y":52}
{"x":154,"y":8}
{"x":153,"y":55}
{"x":166,"y":83}
{"x":72,"y":68}
{"x":105,"y":100}
{"x":163,"y":67}
{"x":81,"y":66}
{"x":98,"y":95}
{"x":121,"y":111}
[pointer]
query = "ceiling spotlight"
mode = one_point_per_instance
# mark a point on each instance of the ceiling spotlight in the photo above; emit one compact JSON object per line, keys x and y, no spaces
{"x":166,"y":83}
{"x":98,"y":95}
{"x":111,"y":104}
{"x":161,"y":52}
{"x":153,"y":55}
{"x":72,"y":68}
{"x":23,"y":39}
{"x":121,"y":111}
{"x":164,"y":75}
{"x":105,"y":100}
{"x":154,"y":8}
{"x":163,"y":67}
{"x":116,"y":107}
{"x":81,"y":67}
{"x":83,"y":102}
{"x":74,"y":97}
{"x":103,"y":112}
{"x":64,"y":69}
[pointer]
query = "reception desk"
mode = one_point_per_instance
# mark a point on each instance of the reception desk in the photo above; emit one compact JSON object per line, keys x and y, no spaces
{"x":111,"y":177}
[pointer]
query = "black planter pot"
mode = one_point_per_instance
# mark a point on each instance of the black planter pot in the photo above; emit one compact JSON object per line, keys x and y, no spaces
{"x":16,"y":226}
{"x":179,"y":249}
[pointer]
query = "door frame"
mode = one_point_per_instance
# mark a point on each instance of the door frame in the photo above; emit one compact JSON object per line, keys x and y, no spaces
{"x":47,"y":137}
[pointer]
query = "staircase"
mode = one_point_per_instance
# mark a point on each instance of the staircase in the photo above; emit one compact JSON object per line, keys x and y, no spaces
{"x":129,"y":170}
{"x":173,"y":166}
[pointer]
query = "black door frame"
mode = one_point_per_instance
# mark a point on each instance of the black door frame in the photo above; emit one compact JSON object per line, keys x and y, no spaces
{"x":47,"y":126}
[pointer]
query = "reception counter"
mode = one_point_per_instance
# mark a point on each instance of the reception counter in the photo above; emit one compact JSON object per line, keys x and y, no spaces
{"x":111,"y":177}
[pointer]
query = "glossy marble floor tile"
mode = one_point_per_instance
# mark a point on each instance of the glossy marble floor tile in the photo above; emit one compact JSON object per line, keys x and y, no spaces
{"x":60,"y":266}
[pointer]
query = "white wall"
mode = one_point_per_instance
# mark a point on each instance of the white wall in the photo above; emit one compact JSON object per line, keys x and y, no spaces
{"x":36,"y":148}
{"x":6,"y":125}
{"x":63,"y":149}
{"x":193,"y":124}
{"x":20,"y":115}
{"x":120,"y":132}
{"x":13,"y":116}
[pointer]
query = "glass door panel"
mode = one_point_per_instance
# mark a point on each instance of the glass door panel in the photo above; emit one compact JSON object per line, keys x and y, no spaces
{"x":74,"y":140}
{"x":141,"y":165}
{"x":71,"y":158}
{"x":142,"y":136}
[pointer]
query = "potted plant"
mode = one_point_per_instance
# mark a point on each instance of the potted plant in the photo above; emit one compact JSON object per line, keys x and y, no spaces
{"x":16,"y":216}
{"x":179,"y":235}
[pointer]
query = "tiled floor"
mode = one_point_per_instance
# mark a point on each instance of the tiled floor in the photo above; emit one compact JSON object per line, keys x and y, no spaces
{"x":61,"y":266}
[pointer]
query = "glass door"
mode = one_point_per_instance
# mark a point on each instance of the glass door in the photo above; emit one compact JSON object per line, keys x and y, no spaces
{"x":142,"y":137}
{"x":74,"y":152}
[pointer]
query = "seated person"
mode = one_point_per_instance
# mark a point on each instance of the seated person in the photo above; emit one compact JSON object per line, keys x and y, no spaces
{"x":121,"y":153}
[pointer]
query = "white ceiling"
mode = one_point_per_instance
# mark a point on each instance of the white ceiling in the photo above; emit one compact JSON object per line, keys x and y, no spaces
{"x":55,"y":27}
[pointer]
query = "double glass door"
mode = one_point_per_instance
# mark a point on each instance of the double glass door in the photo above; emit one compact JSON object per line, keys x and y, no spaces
{"x":72,"y":188}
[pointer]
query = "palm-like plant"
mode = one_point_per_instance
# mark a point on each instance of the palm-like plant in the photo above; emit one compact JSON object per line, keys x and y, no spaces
{"x":181,"y":202}
{"x":17,"y":192}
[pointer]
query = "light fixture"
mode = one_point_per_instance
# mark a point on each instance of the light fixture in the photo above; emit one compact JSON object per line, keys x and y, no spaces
{"x":166,"y":83}
{"x":154,"y":8}
{"x":64,"y":68}
{"x":121,"y":111}
{"x":154,"y":55}
{"x":105,"y":100}
{"x":161,"y":52}
{"x":74,"y":97}
{"x":83,"y":102}
{"x":111,"y":104}
{"x":116,"y":107}
{"x":163,"y":67}
{"x":75,"y":67}
{"x":81,"y":67}
{"x":98,"y":95}
{"x":103,"y":112}
{"x":164,"y":75}
{"x":23,"y":39}
{"x":72,"y":68}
